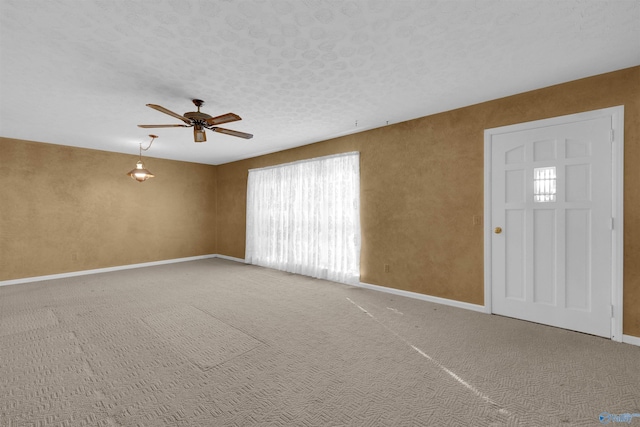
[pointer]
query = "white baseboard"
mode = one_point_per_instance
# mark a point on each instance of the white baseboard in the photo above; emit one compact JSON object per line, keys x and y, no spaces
{"x":630,"y":339}
{"x":230,"y":258}
{"x":438,"y":300}
{"x":105,"y":270}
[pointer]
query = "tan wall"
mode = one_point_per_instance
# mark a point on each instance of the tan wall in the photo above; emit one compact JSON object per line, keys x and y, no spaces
{"x":422,"y":183}
{"x":70,"y":209}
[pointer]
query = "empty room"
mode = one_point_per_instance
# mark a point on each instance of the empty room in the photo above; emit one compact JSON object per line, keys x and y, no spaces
{"x":319,"y":213}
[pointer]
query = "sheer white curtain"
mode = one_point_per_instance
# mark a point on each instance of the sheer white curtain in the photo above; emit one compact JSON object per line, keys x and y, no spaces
{"x":304,"y":217}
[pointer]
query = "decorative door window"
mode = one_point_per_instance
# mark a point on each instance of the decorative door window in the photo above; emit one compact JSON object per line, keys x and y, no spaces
{"x":544,"y":184}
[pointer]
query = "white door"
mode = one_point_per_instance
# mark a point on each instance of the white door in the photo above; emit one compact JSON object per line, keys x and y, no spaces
{"x":551,"y":225}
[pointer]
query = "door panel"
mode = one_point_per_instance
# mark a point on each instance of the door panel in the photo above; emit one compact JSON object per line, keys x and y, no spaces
{"x":578,"y":261}
{"x":544,"y":256}
{"x":515,"y":251}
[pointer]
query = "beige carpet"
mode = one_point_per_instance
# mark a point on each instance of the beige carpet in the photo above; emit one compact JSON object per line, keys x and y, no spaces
{"x":218,"y":343}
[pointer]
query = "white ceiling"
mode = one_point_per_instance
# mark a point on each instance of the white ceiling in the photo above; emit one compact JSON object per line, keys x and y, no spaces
{"x":79,"y":72}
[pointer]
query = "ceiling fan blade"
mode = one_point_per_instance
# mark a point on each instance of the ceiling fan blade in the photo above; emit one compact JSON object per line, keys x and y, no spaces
{"x":233,"y":133}
{"x":169,"y":112}
{"x":163,"y":126}
{"x":225,"y":118}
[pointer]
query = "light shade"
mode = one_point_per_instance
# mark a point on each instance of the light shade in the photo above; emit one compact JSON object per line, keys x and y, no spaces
{"x":198,"y":134}
{"x":140,"y":173}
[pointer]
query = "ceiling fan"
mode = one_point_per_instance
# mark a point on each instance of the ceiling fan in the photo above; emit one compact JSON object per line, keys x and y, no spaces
{"x":200,"y":121}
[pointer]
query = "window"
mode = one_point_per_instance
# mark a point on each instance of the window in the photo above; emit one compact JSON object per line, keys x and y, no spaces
{"x":544,"y":184}
{"x":304,"y":217}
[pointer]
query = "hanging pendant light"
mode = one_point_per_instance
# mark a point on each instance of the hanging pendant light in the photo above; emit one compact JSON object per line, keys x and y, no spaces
{"x":141,"y":174}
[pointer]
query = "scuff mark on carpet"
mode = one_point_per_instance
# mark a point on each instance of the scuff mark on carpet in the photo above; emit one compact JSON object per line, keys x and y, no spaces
{"x":484,"y":397}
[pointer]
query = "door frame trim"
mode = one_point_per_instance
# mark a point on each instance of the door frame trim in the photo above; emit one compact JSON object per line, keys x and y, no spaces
{"x":617,"y":243}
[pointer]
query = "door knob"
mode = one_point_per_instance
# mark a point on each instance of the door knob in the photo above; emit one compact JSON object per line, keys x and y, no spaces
{"x":497,"y":230}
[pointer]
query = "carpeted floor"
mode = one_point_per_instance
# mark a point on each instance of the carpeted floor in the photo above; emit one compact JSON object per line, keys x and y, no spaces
{"x":219,"y":343}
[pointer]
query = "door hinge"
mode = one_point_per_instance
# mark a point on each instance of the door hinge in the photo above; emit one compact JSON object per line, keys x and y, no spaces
{"x":611,"y":136}
{"x":611,"y":310}
{"x":611,"y":224}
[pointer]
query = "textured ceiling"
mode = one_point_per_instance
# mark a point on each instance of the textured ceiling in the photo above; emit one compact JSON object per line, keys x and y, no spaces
{"x":79,"y":72}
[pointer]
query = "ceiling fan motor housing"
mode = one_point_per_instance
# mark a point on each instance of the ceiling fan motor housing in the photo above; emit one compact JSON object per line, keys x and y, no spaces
{"x":197,"y":116}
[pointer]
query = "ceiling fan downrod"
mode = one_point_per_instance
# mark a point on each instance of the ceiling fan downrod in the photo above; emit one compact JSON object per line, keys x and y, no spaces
{"x":198,"y":103}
